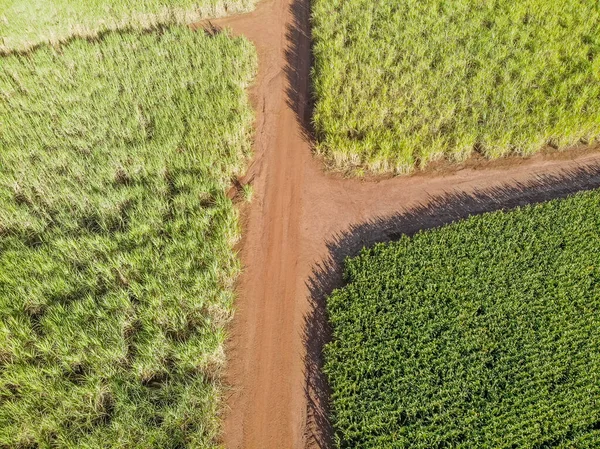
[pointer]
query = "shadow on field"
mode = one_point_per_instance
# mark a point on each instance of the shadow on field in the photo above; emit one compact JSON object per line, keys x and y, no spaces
{"x":438,"y":211}
{"x":95,"y":37}
{"x":298,"y":57}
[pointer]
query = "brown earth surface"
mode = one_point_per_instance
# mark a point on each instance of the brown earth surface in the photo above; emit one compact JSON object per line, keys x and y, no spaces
{"x":304,"y":221}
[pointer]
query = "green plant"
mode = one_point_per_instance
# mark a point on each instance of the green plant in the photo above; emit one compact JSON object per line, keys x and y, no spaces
{"x":116,"y":237}
{"x":484,"y":333}
{"x":401,"y":83}
{"x":248,"y":192}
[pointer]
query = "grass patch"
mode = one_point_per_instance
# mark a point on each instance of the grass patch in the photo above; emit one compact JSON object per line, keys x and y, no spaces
{"x":401,"y":83}
{"x":116,"y":237}
{"x":26,"y":23}
{"x":484,"y":333}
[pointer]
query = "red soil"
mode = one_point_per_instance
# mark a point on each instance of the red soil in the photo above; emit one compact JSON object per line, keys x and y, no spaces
{"x":303,"y":221}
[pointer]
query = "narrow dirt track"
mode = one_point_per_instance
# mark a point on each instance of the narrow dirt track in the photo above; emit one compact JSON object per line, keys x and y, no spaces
{"x":303,"y":222}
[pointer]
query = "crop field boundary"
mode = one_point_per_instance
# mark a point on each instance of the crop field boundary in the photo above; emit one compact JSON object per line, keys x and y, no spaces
{"x":433,"y":213}
{"x":304,"y":220}
{"x":96,"y":37}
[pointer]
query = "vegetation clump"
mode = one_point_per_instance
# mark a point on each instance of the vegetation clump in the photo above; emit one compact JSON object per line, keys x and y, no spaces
{"x":484,"y":333}
{"x":116,"y":237}
{"x":400,"y":83}
{"x":26,"y":23}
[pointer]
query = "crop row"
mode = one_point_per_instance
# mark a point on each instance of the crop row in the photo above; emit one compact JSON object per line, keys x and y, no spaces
{"x":484,"y":333}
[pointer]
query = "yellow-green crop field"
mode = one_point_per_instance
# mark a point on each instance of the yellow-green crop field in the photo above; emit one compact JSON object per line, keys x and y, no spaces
{"x":401,"y":83}
{"x":116,"y":237}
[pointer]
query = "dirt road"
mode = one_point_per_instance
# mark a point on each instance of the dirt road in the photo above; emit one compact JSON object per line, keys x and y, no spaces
{"x":302,"y":223}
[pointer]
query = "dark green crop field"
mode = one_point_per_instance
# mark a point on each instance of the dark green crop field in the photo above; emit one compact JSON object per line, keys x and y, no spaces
{"x":481,"y":334}
{"x":400,"y":83}
{"x":24,"y":23}
{"x":116,"y":237}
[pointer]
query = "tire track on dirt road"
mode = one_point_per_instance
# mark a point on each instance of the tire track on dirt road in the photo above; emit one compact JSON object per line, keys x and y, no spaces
{"x":303,"y":221}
